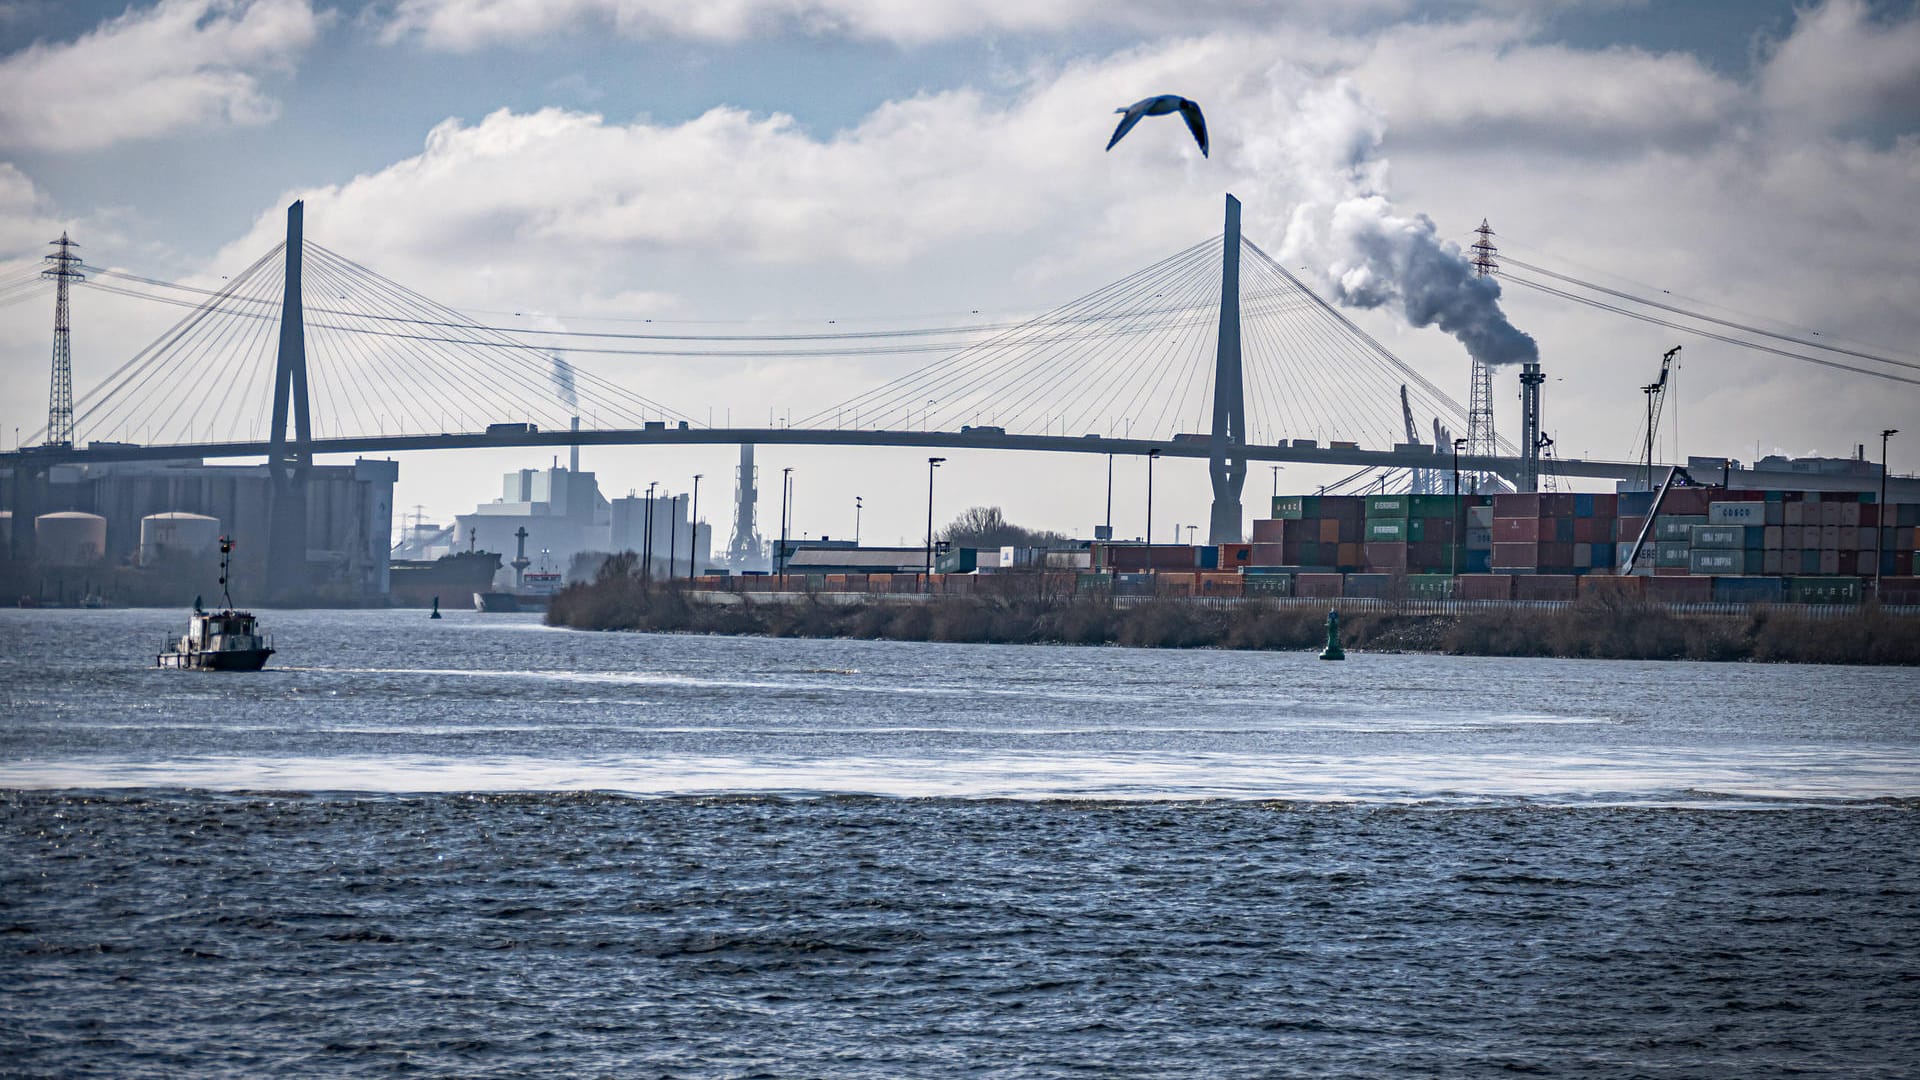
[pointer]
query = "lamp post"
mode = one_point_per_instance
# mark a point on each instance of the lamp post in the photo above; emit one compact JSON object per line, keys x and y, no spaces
{"x":693,"y":526}
{"x":646,"y":542}
{"x":858,"y":503}
{"x":1880,"y":514}
{"x":1459,"y":530}
{"x":933,"y":463}
{"x":786,"y":495}
{"x":1109,"y":535}
{"x":673,"y":538}
{"x":1153,"y":455}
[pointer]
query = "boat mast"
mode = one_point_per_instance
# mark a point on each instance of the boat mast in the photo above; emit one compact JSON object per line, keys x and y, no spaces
{"x":226,"y":553}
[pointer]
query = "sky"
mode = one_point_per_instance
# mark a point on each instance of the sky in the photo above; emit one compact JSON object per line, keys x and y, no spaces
{"x":787,"y":166}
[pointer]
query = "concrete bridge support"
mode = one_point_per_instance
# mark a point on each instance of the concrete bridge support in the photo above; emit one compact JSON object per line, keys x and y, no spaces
{"x":1226,"y":459}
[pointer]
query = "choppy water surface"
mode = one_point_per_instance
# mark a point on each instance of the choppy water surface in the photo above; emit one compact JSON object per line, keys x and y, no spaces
{"x":477,"y":846}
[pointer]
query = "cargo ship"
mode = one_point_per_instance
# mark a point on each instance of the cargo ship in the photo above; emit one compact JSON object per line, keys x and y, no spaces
{"x":535,"y":593}
{"x":416,"y":582}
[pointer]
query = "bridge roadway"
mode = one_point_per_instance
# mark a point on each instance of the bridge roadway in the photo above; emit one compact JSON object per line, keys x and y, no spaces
{"x":1900,"y":489}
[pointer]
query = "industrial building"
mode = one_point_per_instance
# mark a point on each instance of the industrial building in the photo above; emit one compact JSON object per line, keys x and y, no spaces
{"x":153,"y":515}
{"x":546,"y":516}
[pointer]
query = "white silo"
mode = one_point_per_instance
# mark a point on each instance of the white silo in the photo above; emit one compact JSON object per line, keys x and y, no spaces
{"x":176,"y":535}
{"x":70,"y":538}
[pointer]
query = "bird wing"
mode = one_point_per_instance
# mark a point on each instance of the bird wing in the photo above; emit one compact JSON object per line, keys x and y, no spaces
{"x":1134,"y":113}
{"x":1190,"y":110}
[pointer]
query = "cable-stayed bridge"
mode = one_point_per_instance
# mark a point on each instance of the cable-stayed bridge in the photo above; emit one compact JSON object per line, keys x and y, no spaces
{"x":1214,"y":352}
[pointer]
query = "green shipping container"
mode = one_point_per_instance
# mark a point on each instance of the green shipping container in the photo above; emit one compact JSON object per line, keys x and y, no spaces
{"x":1676,"y":526}
{"x":1389,"y":531}
{"x":1391,"y":507}
{"x":1672,"y":553}
{"x":1823,"y":590}
{"x":1440,"y":506}
{"x":957,"y":561}
{"x":1296,"y":507}
{"x":1268,"y":584}
{"x":1429,"y":586}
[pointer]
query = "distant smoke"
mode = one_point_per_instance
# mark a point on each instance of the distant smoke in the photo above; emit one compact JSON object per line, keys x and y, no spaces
{"x":1344,"y":228}
{"x":563,"y":383}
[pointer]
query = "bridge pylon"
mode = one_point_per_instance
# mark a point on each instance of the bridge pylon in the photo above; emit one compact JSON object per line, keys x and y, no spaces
{"x":1226,"y":461}
{"x":288,"y":462}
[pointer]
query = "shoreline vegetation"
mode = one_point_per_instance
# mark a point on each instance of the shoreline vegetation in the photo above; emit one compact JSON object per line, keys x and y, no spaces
{"x":1600,"y":627}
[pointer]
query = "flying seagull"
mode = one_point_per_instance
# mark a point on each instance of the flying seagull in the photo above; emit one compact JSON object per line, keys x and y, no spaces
{"x":1160,"y":106}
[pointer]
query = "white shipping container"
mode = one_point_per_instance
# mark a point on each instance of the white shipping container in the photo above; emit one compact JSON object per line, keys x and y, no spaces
{"x":1793,"y":514}
{"x":1480,"y":517}
{"x":1790,"y":536}
{"x":1771,"y":562}
{"x":1830,"y":561}
{"x":1850,"y":538}
{"x":1775,"y":534}
{"x":1736,"y":513}
{"x":1850,"y":515}
{"x":1829,"y":540}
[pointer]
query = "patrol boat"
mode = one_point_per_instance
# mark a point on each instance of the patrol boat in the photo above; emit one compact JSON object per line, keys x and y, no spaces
{"x":225,"y":640}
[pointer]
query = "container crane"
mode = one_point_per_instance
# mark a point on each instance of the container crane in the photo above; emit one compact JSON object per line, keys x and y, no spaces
{"x":1419,"y":481}
{"x":1656,"y":392}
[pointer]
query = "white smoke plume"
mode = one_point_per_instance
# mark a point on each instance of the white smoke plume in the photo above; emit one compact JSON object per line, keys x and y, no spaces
{"x":563,"y":383}
{"x":1325,"y":163}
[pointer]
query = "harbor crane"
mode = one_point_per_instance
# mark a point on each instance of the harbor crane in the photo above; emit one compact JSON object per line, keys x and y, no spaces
{"x":1656,"y":392}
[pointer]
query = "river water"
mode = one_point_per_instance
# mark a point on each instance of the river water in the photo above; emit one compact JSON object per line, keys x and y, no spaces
{"x":479,"y":846}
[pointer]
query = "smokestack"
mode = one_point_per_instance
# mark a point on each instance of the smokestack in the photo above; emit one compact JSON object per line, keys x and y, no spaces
{"x":573,"y":456}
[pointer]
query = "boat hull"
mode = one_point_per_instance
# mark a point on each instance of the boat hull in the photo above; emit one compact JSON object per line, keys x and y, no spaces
{"x":211,"y":660}
{"x":508,"y":602}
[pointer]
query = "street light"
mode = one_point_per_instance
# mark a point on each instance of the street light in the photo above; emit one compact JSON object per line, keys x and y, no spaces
{"x":1109,"y":525}
{"x":933,"y":463}
{"x":786,"y":495}
{"x":673,"y":539}
{"x":1880,"y":529}
{"x":693,"y":526}
{"x":646,"y":542}
{"x":1153,"y":455}
{"x":1459,"y":530}
{"x":857,"y":504}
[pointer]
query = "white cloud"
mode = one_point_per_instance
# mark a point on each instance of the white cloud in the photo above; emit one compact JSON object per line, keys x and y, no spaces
{"x":1841,"y":69}
{"x":180,"y":64}
{"x":463,"y":25}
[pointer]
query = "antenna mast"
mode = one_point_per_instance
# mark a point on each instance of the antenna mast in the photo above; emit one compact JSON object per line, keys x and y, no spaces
{"x":60,"y":399}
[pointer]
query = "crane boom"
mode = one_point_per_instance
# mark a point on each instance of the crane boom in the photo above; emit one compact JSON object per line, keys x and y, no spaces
{"x":1656,"y":392}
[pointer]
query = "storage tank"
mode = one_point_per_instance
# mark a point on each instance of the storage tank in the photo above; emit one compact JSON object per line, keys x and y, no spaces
{"x":173,"y":535}
{"x":70,"y":538}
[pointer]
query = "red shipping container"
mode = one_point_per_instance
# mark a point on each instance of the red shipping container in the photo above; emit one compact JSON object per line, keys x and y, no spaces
{"x":1516,"y":556}
{"x":1903,"y":589}
{"x":1555,"y":557}
{"x":1269,"y":530}
{"x":1593,"y":530}
{"x":1606,"y":505}
{"x":1484,"y":587}
{"x":1516,"y":505}
{"x":1235,"y":554}
{"x":1545,"y":587}
{"x":1689,"y":500}
{"x":1267,"y":555}
{"x":1625,"y":588}
{"x":1329,"y":530}
{"x":1683,"y":589}
{"x":1343,"y":507}
{"x":1325,"y":586}
{"x":1516,"y":530}
{"x":1869,"y":515}
{"x":1558,"y":504}
{"x":1385,"y":556}
{"x":1428,"y":555}
{"x":1347,"y":555}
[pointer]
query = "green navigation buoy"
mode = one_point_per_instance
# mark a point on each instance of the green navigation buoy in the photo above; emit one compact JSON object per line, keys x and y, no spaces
{"x":1333,"y":651}
{"x":436,"y":608}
